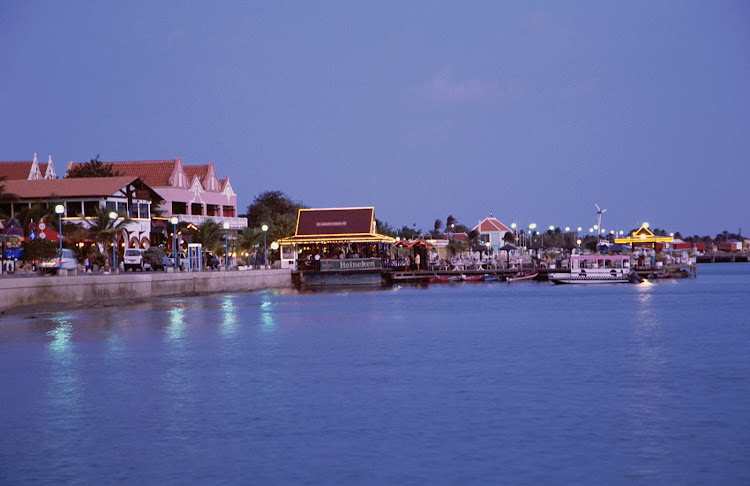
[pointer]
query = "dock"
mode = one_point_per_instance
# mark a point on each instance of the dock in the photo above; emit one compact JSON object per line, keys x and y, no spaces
{"x":724,"y":257}
{"x":423,"y":276}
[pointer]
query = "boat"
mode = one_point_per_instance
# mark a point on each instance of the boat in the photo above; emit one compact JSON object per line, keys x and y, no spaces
{"x":517,"y":277}
{"x":472,"y":278}
{"x":595,"y":269}
{"x":443,"y":279}
{"x":491,"y":278}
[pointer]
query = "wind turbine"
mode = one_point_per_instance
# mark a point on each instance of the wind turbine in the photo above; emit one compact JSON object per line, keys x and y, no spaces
{"x":599,"y":212}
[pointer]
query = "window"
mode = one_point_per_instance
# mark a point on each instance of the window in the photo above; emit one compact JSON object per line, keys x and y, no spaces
{"x":90,"y":207}
{"x":134,"y":210}
{"x":197,"y":209}
{"x":143,"y":210}
{"x":110,"y":206}
{"x":122,"y":207}
{"x":179,"y":208}
{"x":73,"y":208}
{"x":229,"y":212}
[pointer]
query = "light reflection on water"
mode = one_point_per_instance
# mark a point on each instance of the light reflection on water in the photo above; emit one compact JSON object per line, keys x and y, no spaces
{"x":229,"y":318}
{"x":447,"y":384}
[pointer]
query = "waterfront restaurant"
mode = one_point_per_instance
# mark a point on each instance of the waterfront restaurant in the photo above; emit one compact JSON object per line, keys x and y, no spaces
{"x":327,"y":239}
{"x":643,"y":237}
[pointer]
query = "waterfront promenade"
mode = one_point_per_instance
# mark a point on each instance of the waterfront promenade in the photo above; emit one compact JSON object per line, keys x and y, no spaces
{"x":44,"y":292}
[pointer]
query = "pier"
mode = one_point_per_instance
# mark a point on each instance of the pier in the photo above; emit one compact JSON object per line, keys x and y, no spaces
{"x":724,"y":257}
{"x":423,"y":276}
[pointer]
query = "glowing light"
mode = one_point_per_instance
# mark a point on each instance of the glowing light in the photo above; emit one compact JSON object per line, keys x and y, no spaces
{"x":596,"y":226}
{"x":532,"y":226}
{"x":551,"y":228}
{"x":513,"y":225}
{"x":567,"y":228}
{"x":645,"y":225}
{"x":580,"y":229}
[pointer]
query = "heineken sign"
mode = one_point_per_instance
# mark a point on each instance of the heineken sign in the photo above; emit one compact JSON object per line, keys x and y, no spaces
{"x":350,"y":265}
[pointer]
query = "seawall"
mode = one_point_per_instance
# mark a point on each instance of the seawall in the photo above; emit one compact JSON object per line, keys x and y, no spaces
{"x":19,"y":293}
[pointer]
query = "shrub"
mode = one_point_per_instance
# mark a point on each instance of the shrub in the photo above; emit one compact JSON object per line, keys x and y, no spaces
{"x":154,"y":256}
{"x":40,"y":249}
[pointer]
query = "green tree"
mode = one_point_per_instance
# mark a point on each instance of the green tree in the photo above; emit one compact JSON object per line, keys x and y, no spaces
{"x":93,"y":168}
{"x":383,"y":228}
{"x":450,"y":222}
{"x":455,"y":247}
{"x":104,"y":229}
{"x":277,"y":210}
{"x":509,"y":238}
{"x":406,"y":233}
{"x":210,"y":234}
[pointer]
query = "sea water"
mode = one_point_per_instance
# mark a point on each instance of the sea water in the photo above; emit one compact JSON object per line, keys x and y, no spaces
{"x":496,"y":383}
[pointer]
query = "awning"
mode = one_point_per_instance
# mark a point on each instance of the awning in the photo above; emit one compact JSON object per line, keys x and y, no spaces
{"x":332,"y":239}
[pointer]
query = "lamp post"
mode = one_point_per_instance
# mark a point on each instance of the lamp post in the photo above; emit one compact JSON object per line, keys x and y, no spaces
{"x":275,"y":245}
{"x":265,"y":246}
{"x":226,"y":244}
{"x":59,"y":210}
{"x":174,"y":222}
{"x":113,"y":216}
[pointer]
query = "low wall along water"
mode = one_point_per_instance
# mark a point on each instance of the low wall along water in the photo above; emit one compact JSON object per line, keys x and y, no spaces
{"x":54,"y":291}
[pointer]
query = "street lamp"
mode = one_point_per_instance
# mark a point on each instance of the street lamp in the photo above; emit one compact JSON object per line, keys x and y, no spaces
{"x":59,"y":209}
{"x":226,"y":244}
{"x":265,"y":246}
{"x":174,"y":222}
{"x":113,"y":216}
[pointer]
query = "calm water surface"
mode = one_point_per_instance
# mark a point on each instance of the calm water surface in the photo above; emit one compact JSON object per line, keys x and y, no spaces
{"x":524,"y":383}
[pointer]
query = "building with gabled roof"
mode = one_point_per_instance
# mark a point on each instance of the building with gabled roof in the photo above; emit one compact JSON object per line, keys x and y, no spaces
{"x":82,"y":197}
{"x":492,"y":231}
{"x":28,"y":170}
{"x":192,"y":193}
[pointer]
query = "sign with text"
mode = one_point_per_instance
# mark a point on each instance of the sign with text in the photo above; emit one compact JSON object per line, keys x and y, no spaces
{"x":317,"y":222}
{"x":354,"y":264}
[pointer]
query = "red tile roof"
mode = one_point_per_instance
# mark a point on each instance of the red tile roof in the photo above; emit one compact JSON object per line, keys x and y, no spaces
{"x":16,"y":171}
{"x":66,"y":188}
{"x":155,"y":173}
{"x":491,"y":225}
{"x":196,"y":170}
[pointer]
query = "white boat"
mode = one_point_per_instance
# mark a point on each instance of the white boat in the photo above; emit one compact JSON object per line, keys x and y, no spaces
{"x":595,"y":269}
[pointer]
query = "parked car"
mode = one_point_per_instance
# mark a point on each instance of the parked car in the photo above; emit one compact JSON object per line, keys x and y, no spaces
{"x":182,"y":257}
{"x":67,"y":262}
{"x":133,"y":260}
{"x":155,"y":258}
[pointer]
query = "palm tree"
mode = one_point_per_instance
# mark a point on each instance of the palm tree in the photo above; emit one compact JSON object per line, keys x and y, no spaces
{"x":209,"y":233}
{"x":104,"y":229}
{"x":509,"y":238}
{"x":250,"y":238}
{"x":455,"y":247}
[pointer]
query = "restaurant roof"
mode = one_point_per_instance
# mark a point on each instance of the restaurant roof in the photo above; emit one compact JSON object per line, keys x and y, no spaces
{"x":333,"y":225}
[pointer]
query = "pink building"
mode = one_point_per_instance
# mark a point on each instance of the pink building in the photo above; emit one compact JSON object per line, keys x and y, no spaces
{"x":193,"y":193}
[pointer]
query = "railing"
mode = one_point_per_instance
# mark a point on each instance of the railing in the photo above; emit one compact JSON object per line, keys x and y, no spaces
{"x":234,"y":223}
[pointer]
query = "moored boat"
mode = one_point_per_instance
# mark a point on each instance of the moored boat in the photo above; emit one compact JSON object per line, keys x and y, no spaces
{"x":595,"y":269}
{"x":517,"y":277}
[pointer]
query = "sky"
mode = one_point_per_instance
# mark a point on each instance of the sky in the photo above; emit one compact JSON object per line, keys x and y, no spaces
{"x":423,"y":109}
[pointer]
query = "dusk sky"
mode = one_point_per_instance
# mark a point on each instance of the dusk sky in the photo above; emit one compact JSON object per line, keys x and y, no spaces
{"x":532,"y":110}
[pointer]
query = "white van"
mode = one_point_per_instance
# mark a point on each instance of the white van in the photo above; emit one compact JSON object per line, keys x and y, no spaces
{"x":68,"y":262}
{"x":133,"y":260}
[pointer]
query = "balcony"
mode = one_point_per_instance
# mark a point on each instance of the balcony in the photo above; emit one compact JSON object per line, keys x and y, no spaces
{"x":234,"y":223}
